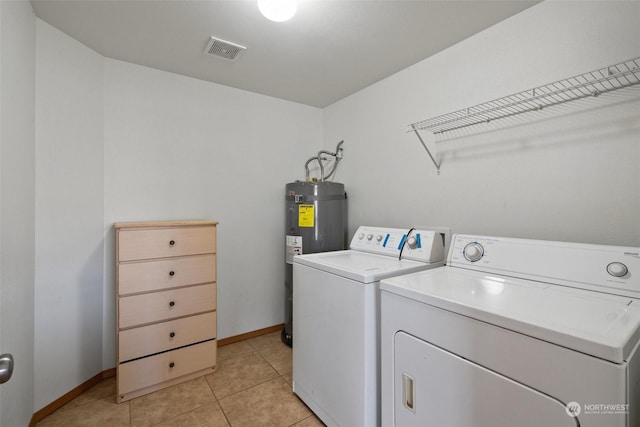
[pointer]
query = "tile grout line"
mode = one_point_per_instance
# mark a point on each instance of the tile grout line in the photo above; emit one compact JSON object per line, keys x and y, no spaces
{"x":261,"y":347}
{"x":279,"y":375}
{"x":218,"y":401}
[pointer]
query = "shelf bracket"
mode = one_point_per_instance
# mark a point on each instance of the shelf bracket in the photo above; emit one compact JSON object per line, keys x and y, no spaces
{"x":437,"y":164}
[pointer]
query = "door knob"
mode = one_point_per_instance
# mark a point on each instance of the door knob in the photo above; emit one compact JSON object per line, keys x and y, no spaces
{"x":6,"y":367}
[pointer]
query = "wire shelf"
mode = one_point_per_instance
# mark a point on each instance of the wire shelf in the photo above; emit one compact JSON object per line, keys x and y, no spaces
{"x":585,"y":85}
{"x":590,"y":84}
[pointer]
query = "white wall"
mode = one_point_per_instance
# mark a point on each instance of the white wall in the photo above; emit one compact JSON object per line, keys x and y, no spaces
{"x":17,"y":140}
{"x":179,"y":148}
{"x":69,"y":214}
{"x":573,"y":179}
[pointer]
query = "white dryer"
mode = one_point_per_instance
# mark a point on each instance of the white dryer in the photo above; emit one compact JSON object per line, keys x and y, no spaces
{"x":336,"y":319}
{"x":514,"y":332}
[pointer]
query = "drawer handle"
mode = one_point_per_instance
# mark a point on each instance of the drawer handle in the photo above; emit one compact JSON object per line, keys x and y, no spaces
{"x":171,"y":365}
{"x":172,"y":242}
{"x":172,"y":273}
{"x":172,"y":303}
{"x":172,"y":334}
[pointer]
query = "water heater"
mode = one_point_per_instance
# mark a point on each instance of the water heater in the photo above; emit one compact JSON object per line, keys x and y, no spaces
{"x":315,"y":221}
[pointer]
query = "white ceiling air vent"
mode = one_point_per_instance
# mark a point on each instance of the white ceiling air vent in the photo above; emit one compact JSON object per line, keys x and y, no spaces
{"x":224,"y":49}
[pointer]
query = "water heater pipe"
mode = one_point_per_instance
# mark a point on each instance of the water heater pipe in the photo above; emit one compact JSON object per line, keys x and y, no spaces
{"x":306,"y":166}
{"x":337,"y":155}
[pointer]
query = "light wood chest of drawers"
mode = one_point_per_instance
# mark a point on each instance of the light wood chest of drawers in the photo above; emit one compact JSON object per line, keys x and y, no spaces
{"x":166,"y":304}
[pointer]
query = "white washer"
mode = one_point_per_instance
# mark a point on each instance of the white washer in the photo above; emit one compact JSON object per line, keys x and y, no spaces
{"x":336,"y":319}
{"x":514,"y":332}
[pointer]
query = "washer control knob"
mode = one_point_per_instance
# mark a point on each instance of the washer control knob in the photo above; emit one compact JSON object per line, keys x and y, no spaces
{"x":412,"y":242}
{"x":369,"y":236}
{"x":617,"y":269}
{"x":379,"y":237}
{"x":473,"y":252}
{"x":361,"y":236}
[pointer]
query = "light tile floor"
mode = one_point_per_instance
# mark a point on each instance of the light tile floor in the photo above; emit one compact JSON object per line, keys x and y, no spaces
{"x":251,"y":387}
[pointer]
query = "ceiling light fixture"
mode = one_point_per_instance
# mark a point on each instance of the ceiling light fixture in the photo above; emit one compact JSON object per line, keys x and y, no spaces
{"x":278,"y":10}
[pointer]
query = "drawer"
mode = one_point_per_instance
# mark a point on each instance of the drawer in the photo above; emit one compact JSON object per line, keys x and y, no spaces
{"x":151,"y":339}
{"x":165,"y":242}
{"x":162,"y":274}
{"x":158,"y":306}
{"x":162,"y":367}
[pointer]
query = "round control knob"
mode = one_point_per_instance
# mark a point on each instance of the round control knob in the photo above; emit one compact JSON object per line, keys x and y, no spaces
{"x":412,"y":242}
{"x":617,"y":269}
{"x":369,"y":236}
{"x":379,"y":237}
{"x":361,"y":236}
{"x":473,"y":251}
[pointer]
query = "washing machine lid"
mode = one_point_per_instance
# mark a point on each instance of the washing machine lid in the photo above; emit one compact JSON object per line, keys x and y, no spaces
{"x":361,"y":266}
{"x":603,"y":325}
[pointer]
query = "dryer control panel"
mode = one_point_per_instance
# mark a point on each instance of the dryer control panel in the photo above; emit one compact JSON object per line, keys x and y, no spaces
{"x":610,"y":269}
{"x":414,"y":244}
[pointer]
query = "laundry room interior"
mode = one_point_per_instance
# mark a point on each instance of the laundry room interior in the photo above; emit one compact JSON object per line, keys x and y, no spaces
{"x":89,"y":140}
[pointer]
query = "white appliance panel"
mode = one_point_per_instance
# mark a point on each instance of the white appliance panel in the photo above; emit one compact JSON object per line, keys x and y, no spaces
{"x":361,"y":266}
{"x":432,"y":388}
{"x":335,"y":354}
{"x":415,"y":244}
{"x":602,"y":325}
{"x":569,"y":264}
{"x":558,"y":371}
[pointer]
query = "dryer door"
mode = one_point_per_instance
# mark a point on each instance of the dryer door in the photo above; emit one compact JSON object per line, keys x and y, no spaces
{"x":433,"y":387}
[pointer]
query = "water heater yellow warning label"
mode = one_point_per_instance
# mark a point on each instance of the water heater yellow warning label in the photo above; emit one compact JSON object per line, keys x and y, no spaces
{"x":306,"y":215}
